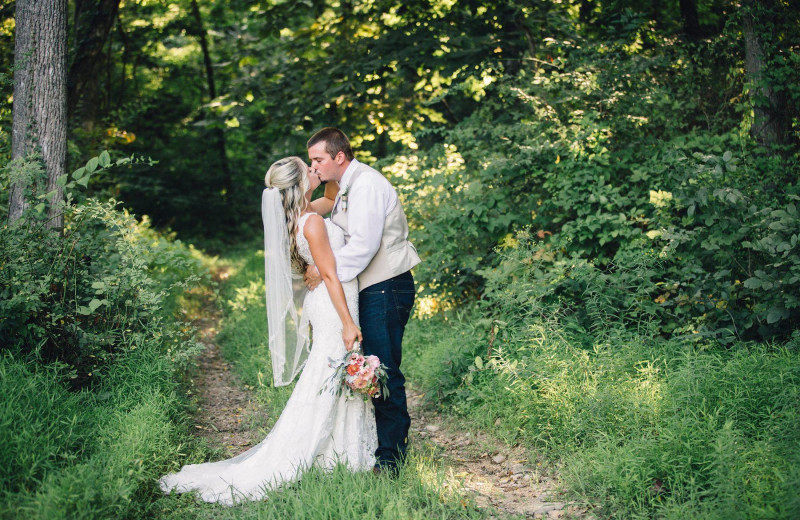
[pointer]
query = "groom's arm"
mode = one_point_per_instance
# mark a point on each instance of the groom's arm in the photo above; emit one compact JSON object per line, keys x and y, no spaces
{"x":366,"y":216}
{"x":324,"y":204}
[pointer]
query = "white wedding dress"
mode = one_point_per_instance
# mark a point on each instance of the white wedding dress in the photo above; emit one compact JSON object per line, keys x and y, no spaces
{"x":315,"y":429}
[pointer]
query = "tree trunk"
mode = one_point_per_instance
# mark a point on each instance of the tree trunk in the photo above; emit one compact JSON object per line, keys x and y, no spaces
{"x":93,"y":24}
{"x":585,"y":11}
{"x":655,"y":13}
{"x":219,"y":135}
{"x":124,"y":66}
{"x":691,"y":20}
{"x":40,"y":100}
{"x":770,"y":123}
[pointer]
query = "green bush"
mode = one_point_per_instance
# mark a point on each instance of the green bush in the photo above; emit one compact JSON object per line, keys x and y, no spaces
{"x":99,"y":289}
{"x":608,"y":157}
{"x":728,"y":236}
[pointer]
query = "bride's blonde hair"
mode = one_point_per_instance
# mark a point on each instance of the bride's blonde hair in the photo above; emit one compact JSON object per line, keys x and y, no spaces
{"x":289,"y":176}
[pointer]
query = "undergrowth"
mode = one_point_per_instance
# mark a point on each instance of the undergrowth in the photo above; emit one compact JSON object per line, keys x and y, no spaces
{"x":90,"y":357}
{"x":644,"y":427}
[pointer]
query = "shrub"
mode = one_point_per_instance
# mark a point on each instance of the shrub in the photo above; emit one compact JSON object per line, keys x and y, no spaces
{"x":98,"y":290}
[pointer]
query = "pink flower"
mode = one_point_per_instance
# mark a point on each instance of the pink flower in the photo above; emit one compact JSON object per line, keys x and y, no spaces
{"x":373,"y":361}
{"x":367,"y":373}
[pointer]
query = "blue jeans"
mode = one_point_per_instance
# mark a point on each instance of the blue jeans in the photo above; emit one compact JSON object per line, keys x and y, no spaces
{"x":384,"y":310}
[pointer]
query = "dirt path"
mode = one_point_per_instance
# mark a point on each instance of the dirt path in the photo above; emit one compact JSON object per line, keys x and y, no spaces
{"x":224,"y":404}
{"x":496,"y":475}
{"x":499,"y":477}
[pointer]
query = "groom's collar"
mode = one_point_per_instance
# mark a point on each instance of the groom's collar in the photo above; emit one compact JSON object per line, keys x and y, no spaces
{"x":348,"y":174}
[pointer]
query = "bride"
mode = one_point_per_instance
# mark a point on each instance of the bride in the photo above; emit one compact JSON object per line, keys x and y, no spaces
{"x":317,"y":428}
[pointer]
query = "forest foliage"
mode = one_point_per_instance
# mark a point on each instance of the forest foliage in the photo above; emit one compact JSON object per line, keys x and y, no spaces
{"x":618,"y":136}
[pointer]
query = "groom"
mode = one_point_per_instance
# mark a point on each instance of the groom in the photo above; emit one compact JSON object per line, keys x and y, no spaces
{"x":378,"y":252}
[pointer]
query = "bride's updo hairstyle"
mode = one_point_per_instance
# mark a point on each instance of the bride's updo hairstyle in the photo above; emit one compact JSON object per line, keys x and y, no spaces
{"x":289,"y":176}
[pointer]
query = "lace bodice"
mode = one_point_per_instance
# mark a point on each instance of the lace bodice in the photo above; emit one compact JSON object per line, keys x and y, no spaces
{"x":335,"y":237}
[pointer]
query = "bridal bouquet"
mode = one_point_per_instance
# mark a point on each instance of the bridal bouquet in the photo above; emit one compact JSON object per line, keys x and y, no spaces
{"x":360,"y":374}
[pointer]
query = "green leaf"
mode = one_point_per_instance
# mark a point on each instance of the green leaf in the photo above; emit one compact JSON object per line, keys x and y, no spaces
{"x":752,"y":283}
{"x":98,"y":285}
{"x":83,"y":181}
{"x":479,"y":362}
{"x":105,"y":159}
{"x":77,"y":174}
{"x":776,"y":314}
{"x":727,"y":156}
{"x":62,"y":180}
{"x":92,"y":164}
{"x":94,"y":304}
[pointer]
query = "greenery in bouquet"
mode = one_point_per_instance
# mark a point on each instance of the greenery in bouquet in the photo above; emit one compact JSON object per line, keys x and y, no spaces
{"x":359,"y":374}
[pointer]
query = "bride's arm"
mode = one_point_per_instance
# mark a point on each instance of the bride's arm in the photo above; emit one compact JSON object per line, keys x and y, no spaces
{"x":317,"y":237}
{"x":324,"y":204}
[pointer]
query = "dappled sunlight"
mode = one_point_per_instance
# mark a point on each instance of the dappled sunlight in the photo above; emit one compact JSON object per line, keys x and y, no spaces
{"x":603,"y":196}
{"x":427,"y":469}
{"x":247,"y":296}
{"x":426,"y":307}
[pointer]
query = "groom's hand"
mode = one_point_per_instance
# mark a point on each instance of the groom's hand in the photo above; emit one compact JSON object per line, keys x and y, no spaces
{"x":312,"y":277}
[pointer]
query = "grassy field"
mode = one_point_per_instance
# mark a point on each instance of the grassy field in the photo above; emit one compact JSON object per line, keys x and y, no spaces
{"x":88,"y":454}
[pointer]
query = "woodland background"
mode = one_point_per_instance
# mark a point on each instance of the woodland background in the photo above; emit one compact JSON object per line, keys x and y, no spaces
{"x":604,"y":194}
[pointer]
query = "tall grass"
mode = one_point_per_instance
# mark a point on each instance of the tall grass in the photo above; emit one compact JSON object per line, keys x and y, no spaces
{"x":88,"y":454}
{"x":645,"y":427}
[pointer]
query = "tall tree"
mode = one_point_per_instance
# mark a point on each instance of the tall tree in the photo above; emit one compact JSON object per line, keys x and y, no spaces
{"x":771,"y":121}
{"x":40,"y":96}
{"x":691,"y":20}
{"x":219,"y":135}
{"x":93,"y":22}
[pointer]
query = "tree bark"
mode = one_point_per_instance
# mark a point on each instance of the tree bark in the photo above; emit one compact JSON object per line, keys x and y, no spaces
{"x":691,"y":20}
{"x":124,"y":65}
{"x":40,"y":101}
{"x":219,"y":135}
{"x":655,"y":13}
{"x":585,"y":11}
{"x":92,"y":28}
{"x":770,"y":123}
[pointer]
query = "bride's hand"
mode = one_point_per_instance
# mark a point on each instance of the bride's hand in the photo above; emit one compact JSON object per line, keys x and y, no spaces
{"x":311,"y":277}
{"x":351,"y":334}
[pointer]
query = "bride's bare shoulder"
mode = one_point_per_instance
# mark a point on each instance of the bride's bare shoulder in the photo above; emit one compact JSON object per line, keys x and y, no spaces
{"x":314,"y":227}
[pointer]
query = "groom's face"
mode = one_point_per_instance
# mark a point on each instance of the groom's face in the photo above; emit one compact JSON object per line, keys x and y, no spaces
{"x":328,"y":168}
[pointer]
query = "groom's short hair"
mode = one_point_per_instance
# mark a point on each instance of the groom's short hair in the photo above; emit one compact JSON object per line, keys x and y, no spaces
{"x":335,"y":141}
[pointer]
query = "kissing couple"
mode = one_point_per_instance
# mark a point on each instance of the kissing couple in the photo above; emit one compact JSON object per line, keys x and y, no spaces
{"x":329,"y":284}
